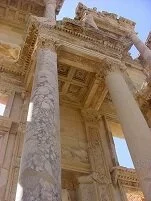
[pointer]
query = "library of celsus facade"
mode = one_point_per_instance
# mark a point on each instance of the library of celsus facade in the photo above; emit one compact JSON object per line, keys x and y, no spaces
{"x":68,"y":88}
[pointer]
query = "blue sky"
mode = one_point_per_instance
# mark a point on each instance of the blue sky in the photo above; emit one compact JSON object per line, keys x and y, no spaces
{"x":123,"y":154}
{"x":136,"y":10}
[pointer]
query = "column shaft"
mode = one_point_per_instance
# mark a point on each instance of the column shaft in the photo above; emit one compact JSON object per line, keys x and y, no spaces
{"x":39,"y":178}
{"x":142,"y":48}
{"x":136,"y":130}
{"x":50,"y":11}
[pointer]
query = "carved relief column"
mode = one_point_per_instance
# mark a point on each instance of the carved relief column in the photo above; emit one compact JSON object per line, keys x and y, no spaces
{"x":142,"y":48}
{"x":40,"y":164}
{"x":100,"y":169}
{"x":135,"y":128}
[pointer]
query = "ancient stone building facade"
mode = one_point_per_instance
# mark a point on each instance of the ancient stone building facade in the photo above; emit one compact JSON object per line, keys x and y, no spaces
{"x":76,"y":81}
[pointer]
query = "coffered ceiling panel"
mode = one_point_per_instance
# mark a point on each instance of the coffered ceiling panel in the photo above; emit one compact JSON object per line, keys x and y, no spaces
{"x":73,"y":83}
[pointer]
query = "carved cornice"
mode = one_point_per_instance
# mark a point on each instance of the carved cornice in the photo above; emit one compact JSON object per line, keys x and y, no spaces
{"x":93,"y":36}
{"x":39,"y":25}
{"x":111,"y":18}
{"x":125,"y":176}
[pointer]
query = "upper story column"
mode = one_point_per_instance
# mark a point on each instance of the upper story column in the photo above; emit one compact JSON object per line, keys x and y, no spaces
{"x":141,"y":47}
{"x":135,"y":128}
{"x":50,"y":10}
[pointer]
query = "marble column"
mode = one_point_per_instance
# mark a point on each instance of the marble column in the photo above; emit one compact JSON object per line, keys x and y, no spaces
{"x":141,"y":47}
{"x":40,"y":170}
{"x":50,"y":11}
{"x":135,"y":128}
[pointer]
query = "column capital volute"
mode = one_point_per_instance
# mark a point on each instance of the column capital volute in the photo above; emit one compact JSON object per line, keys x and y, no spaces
{"x":108,"y":66}
{"x":48,"y":43}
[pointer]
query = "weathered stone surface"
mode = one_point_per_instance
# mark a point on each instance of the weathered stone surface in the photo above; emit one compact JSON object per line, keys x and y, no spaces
{"x":83,"y":45}
{"x":135,"y":128}
{"x":40,"y":165}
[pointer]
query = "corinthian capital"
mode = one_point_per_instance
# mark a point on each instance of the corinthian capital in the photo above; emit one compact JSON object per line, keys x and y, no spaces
{"x":109,"y":66}
{"x":48,"y":43}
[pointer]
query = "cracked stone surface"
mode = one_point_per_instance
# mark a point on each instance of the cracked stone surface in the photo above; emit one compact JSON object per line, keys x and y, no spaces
{"x":40,"y":166}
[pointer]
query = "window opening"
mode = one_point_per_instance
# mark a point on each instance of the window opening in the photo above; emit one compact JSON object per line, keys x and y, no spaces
{"x":3,"y":103}
{"x":122,"y":151}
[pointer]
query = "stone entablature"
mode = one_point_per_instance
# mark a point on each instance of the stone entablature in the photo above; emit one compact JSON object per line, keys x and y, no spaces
{"x":127,"y":179}
{"x":16,"y":13}
{"x":111,"y":19}
{"x":126,"y":176}
{"x":66,"y":30}
{"x":81,"y":58}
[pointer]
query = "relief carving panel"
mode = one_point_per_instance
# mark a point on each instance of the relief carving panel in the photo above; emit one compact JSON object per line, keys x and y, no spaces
{"x":101,"y":174}
{"x":73,"y":154}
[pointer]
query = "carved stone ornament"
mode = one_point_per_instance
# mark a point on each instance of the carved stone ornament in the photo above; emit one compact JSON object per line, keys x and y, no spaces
{"x":100,"y":178}
{"x":126,"y":176}
{"x":109,"y":66}
{"x":48,"y":43}
{"x":90,"y":115}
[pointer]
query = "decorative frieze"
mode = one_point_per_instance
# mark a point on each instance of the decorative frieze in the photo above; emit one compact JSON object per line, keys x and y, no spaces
{"x":100,"y":172}
{"x":125,"y":175}
{"x":128,"y":182}
{"x":104,"y":16}
{"x":17,"y":12}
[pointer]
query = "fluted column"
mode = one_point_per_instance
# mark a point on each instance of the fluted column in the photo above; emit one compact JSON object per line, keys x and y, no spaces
{"x":40,"y":169}
{"x":135,"y":128}
{"x":141,"y":47}
{"x":50,"y":10}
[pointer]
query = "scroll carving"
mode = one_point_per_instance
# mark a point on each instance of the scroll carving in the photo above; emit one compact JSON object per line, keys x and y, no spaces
{"x":100,"y":173}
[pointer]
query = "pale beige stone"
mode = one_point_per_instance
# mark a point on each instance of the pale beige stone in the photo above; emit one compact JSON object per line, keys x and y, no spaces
{"x":72,"y":54}
{"x":135,"y":128}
